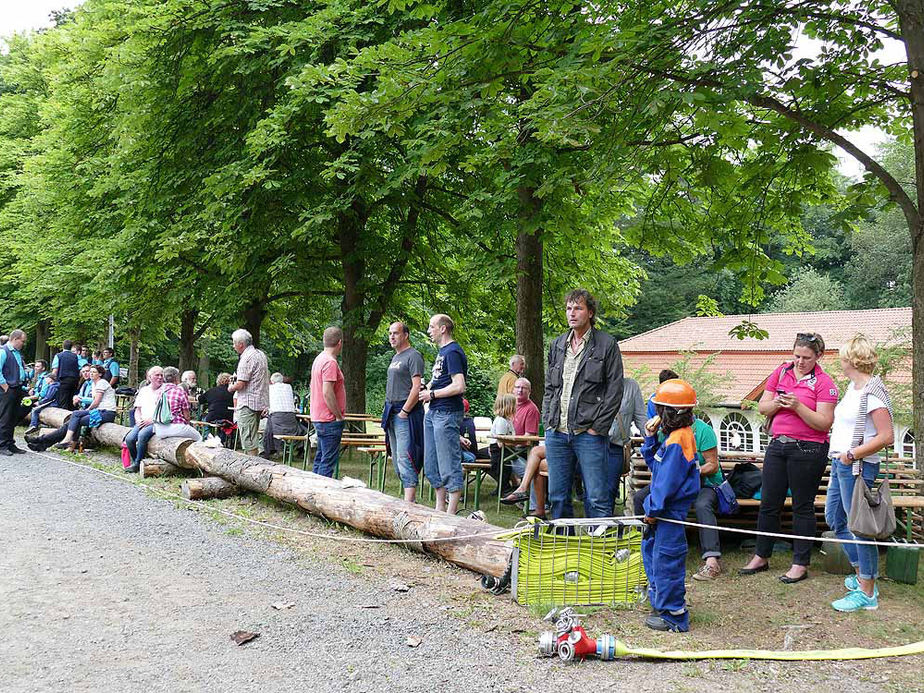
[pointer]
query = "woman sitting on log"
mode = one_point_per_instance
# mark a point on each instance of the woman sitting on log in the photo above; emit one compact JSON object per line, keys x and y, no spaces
{"x":178,"y":400}
{"x":102,"y":409}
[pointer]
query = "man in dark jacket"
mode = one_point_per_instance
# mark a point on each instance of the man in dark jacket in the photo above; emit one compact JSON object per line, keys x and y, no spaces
{"x":66,"y":368}
{"x":12,"y":382}
{"x":583,"y":391}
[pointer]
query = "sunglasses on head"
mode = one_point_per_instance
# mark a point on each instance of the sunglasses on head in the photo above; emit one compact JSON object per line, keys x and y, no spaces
{"x":806,"y":337}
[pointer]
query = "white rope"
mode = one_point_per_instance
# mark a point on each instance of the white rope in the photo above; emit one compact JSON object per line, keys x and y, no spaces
{"x":585,"y":521}
{"x":777,"y":535}
{"x":271,"y":525}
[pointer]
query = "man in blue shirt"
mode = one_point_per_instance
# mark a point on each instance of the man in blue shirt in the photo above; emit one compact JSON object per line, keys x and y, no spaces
{"x":112,"y":366}
{"x":12,"y":380}
{"x":443,"y":420}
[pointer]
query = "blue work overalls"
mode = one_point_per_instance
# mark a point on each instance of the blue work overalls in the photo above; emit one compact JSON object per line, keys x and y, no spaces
{"x":674,"y":486}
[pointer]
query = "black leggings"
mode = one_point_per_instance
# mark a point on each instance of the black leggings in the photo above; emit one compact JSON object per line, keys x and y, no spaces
{"x":798,"y":466}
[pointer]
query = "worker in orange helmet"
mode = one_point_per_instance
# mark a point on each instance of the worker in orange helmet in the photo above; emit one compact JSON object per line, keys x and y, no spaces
{"x":674,"y":487}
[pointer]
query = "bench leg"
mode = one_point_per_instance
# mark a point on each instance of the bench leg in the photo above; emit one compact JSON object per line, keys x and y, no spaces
{"x":478,"y":473}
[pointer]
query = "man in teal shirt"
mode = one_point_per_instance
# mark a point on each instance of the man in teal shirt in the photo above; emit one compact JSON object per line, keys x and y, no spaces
{"x":707,"y":457}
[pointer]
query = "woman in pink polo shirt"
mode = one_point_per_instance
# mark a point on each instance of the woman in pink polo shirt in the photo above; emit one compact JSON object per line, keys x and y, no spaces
{"x":800,"y":397}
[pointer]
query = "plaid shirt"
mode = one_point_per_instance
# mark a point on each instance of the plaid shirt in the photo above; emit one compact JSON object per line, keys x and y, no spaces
{"x":253,"y":368}
{"x":179,"y":403}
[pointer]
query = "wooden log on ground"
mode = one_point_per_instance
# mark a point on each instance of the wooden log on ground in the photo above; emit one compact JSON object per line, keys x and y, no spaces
{"x":54,"y":417}
{"x":365,"y":509}
{"x":170,"y":450}
{"x":151,"y":468}
{"x":208,"y":487}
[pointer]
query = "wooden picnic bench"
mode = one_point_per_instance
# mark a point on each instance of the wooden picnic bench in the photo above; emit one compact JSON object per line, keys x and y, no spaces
{"x":906,"y":485}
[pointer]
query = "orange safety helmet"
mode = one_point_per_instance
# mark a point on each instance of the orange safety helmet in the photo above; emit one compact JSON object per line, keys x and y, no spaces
{"x":675,"y":393}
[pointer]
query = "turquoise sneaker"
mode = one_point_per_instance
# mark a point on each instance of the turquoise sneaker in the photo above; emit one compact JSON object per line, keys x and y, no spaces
{"x":853,"y":584}
{"x":856,"y":601}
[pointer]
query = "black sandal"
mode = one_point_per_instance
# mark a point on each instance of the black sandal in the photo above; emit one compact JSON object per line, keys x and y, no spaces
{"x":515,"y":497}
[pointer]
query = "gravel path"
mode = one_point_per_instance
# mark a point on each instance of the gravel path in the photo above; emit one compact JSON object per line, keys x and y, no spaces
{"x":106,"y":588}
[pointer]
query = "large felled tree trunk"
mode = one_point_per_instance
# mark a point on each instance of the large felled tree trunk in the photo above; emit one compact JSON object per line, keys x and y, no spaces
{"x":529,"y":333}
{"x":372,"y":512}
{"x":365,"y":509}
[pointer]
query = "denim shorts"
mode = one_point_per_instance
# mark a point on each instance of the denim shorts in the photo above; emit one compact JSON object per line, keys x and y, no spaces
{"x":399,"y":438}
{"x":442,"y":449}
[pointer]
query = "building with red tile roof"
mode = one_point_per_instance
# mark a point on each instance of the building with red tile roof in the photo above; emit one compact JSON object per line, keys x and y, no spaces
{"x":736,"y":369}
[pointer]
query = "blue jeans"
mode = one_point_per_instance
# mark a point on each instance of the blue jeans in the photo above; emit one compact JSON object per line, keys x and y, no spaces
{"x":79,"y":417}
{"x":399,"y":439}
{"x":34,"y":417}
{"x":329,"y":435}
{"x":442,"y":449}
{"x":137,"y":442}
{"x":837,"y":508}
{"x":563,"y":451}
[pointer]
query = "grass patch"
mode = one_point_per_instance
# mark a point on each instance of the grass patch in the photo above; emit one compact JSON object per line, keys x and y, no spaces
{"x":352,"y":566}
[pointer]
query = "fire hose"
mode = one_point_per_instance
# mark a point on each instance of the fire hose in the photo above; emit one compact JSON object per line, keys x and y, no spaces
{"x":570,"y":641}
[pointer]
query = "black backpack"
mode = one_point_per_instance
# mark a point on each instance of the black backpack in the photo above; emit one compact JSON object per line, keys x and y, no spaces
{"x":745,"y":479}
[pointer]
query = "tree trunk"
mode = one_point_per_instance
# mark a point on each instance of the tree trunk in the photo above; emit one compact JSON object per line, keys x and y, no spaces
{"x":354,"y":357}
{"x":911,"y":22}
{"x":529,"y":332}
{"x":133,"y":357}
{"x":372,"y":512}
{"x":208,"y":487}
{"x":151,"y":468}
{"x":187,"y":360}
{"x":253,"y":316}
{"x":42,"y":329}
{"x":359,"y":507}
{"x":204,"y":364}
{"x":170,"y":450}
{"x":355,"y":343}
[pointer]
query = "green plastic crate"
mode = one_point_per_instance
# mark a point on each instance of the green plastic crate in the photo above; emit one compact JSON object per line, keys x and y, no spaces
{"x":579,"y":562}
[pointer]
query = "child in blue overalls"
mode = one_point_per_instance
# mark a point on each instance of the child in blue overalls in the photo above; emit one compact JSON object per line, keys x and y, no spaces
{"x":674,"y":486}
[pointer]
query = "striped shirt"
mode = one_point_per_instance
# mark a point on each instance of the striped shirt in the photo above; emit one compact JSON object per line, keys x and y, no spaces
{"x":252,"y":368}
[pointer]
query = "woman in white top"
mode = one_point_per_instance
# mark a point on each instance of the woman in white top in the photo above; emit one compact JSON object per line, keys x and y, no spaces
{"x":505,"y":408}
{"x":103,"y":399}
{"x":281,"y":420}
{"x":854,"y":451}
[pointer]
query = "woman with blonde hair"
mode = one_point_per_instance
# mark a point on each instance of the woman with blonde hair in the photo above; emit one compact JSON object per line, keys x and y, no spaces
{"x":505,"y":408}
{"x":862,"y":427}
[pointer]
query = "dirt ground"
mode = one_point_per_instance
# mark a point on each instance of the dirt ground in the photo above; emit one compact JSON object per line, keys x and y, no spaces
{"x":112,"y":583}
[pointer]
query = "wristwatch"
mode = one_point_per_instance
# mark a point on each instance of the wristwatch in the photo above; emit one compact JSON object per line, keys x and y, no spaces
{"x":850,"y":455}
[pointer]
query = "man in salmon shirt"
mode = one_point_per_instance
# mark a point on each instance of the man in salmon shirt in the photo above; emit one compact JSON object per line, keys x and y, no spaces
{"x":328,"y":402}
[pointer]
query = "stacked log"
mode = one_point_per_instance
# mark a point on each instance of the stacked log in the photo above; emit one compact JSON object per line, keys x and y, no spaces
{"x":470,"y":545}
{"x":363,"y":508}
{"x":169,"y":452}
{"x":208,"y":487}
